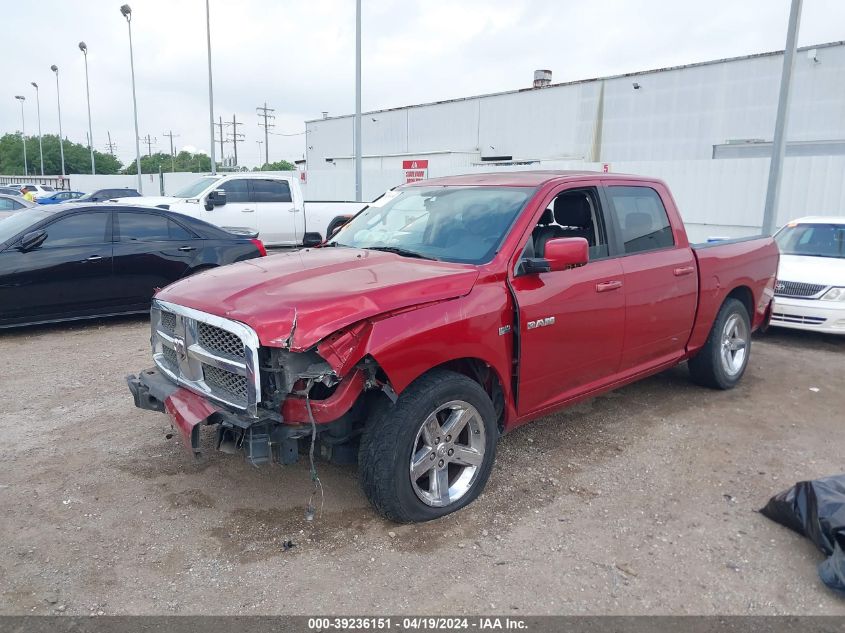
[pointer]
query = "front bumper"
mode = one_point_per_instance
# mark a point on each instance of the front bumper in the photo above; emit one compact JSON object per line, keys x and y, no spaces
{"x":153,"y":391}
{"x":261,"y":439}
{"x":809,"y":314}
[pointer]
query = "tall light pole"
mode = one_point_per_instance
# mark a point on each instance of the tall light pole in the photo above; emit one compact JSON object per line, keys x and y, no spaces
{"x":210,"y":92}
{"x":84,"y":50}
{"x":358,"y":166}
{"x":259,"y":153}
{"x":21,"y":98}
{"x":55,"y":69}
{"x":770,"y":211}
{"x":38,"y":105}
{"x":126,"y":11}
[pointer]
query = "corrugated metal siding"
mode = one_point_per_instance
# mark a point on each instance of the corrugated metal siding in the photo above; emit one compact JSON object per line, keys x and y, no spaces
{"x":676,"y":114}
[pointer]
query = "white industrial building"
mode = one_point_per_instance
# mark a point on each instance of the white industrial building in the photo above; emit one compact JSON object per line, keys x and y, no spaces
{"x":705,"y":128}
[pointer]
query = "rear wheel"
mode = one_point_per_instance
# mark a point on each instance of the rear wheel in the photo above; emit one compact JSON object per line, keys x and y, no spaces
{"x":431,"y":453}
{"x":721,"y":363}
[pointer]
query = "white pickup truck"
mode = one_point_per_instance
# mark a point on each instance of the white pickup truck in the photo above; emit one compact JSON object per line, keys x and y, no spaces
{"x":267,"y":204}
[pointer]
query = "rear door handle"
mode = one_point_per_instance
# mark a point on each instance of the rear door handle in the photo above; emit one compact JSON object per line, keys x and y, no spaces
{"x":185,"y":249}
{"x":247,"y":210}
{"x":93,"y":258}
{"x":606,"y":286}
{"x":684,"y":270}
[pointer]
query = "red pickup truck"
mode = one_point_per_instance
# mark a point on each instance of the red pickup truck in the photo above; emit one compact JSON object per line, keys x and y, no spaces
{"x":445,"y":314}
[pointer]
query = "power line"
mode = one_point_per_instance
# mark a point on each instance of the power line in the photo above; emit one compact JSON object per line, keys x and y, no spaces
{"x":264,"y":112}
{"x":235,"y":136}
{"x":222,"y":140}
{"x":149,"y":142}
{"x":171,"y":135}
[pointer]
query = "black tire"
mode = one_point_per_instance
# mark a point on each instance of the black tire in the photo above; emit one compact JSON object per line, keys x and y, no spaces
{"x":709,"y":367}
{"x":392,"y":437}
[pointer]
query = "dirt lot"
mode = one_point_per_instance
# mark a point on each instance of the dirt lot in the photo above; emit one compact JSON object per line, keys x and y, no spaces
{"x":641,"y":501}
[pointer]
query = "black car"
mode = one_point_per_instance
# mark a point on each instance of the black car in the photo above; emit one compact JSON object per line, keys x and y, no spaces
{"x":109,"y":194}
{"x":77,"y":261}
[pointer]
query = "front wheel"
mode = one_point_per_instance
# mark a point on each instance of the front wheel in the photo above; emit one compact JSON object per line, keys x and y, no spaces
{"x":431,"y":453}
{"x":722,"y":361}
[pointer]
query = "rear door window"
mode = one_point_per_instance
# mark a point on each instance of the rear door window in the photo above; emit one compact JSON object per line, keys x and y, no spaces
{"x":149,"y":227}
{"x":642,"y":219}
{"x":270,"y":191}
{"x":79,"y":229}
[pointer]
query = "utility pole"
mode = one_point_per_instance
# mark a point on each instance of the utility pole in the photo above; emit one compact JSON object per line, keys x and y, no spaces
{"x":358,"y":157}
{"x":770,"y":211}
{"x":235,"y":136}
{"x":110,"y":145}
{"x":149,"y":141}
{"x":171,"y":135}
{"x":265,"y":114}
{"x":222,"y":140}
{"x":210,"y":91}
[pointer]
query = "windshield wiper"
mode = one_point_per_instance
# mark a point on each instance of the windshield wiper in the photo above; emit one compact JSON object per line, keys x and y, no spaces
{"x":399,"y":251}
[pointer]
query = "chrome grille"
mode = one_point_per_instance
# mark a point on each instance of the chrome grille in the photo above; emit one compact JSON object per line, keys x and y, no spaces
{"x":219,"y":340}
{"x":797,"y":289}
{"x":227,"y":382}
{"x":170,"y":358}
{"x":207,"y":354}
{"x":168,"y":321}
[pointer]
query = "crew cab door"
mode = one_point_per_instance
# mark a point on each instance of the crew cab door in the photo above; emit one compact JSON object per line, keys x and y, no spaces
{"x":661,"y":278}
{"x":571,"y":322}
{"x":280,"y":218}
{"x":239,"y":212}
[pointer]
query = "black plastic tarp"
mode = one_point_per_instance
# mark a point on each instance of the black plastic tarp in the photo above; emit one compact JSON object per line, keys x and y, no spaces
{"x":816,"y":509}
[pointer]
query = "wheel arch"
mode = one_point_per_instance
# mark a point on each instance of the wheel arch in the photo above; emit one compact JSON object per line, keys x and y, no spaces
{"x":745,"y":296}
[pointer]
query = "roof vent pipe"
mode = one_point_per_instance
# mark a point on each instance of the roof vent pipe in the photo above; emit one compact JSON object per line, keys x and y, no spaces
{"x":542,"y":78}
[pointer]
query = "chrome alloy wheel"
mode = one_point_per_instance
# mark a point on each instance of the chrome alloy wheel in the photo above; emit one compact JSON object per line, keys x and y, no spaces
{"x":734,"y":345}
{"x":447,"y":454}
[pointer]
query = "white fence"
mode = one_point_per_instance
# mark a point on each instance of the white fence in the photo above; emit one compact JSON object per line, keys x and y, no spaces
{"x":723,"y":198}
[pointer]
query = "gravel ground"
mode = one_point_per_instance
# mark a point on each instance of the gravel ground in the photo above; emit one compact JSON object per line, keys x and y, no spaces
{"x":643,"y":501}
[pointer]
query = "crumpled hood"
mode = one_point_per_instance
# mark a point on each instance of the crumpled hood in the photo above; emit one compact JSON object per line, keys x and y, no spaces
{"x":296,"y":299}
{"x":827,"y":271}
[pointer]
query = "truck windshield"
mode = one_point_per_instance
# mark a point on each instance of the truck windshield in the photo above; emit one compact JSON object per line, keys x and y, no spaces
{"x":195,"y":188}
{"x":455,"y":224}
{"x":812,"y":240}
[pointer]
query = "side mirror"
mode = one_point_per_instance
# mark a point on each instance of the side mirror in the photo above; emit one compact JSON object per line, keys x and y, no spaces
{"x":216,"y":198}
{"x":310,"y":240}
{"x":33,"y":239}
{"x":566,"y":252}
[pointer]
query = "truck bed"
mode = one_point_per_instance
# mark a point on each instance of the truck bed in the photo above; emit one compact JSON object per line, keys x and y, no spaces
{"x":742,"y":268}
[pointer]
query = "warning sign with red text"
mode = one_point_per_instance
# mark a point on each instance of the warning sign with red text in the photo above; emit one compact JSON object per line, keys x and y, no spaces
{"x":415,"y":170}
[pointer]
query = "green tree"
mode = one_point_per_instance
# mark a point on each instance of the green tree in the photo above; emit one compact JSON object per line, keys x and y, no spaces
{"x":281,"y":165}
{"x":77,"y":157}
{"x":183,"y":161}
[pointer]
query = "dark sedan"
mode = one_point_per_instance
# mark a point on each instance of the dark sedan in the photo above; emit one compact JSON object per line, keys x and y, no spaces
{"x":101,"y":195}
{"x":77,"y":261}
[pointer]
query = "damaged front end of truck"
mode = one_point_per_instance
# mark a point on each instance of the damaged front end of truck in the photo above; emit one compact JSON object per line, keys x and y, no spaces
{"x":271,"y":402}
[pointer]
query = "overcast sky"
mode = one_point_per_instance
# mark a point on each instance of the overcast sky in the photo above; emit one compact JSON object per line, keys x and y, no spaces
{"x":298,"y":56}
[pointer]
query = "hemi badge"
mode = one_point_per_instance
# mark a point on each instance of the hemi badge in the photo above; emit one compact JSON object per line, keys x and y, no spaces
{"x":504,"y":330}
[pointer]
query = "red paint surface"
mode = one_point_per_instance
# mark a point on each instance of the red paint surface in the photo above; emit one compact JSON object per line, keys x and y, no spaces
{"x":295,"y":409}
{"x":616,"y":320}
{"x":187,"y":409}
